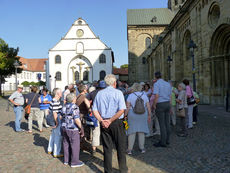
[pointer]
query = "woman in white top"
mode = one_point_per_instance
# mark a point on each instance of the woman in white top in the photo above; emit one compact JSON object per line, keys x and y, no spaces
{"x":138,"y":123}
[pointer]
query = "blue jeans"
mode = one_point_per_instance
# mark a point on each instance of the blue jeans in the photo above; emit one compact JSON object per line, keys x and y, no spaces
{"x":55,"y":142}
{"x":18,"y":116}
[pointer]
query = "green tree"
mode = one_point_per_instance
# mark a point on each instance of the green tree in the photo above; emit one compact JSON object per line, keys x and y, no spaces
{"x":41,"y":83}
{"x":25,"y":83}
{"x":124,"y":66}
{"x":8,"y":56}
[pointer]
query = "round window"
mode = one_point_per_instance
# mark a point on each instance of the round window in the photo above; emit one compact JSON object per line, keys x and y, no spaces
{"x":80,"y":32}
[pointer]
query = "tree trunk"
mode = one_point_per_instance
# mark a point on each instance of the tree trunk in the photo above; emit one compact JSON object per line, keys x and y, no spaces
{"x":0,"y":85}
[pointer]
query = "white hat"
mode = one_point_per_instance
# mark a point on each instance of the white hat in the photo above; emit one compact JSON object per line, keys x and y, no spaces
{"x":20,"y":86}
{"x":142,"y":83}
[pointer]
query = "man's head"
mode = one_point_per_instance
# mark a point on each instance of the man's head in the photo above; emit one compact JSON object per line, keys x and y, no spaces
{"x":158,"y":75}
{"x":102,"y":84}
{"x":20,"y":88}
{"x":70,"y":86}
{"x":110,"y":80}
{"x":82,"y":88}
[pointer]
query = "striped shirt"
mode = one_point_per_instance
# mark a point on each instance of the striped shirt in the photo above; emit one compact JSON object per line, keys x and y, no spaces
{"x":55,"y":106}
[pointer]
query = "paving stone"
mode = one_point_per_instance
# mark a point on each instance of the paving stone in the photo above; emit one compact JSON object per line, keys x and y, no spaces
{"x":205,"y":150}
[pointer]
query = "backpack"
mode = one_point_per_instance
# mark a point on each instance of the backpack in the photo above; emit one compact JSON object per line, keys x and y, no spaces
{"x":139,"y":107}
{"x":67,"y":119}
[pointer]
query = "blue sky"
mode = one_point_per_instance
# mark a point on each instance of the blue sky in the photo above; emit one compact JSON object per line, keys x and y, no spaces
{"x":35,"y":26}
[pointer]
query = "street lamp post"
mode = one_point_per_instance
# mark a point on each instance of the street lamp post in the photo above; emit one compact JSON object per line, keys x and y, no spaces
{"x":191,"y":47}
{"x":169,"y":60}
{"x":16,"y":65}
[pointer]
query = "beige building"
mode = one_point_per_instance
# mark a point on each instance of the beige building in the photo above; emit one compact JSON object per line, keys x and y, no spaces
{"x":207,"y":23}
{"x":144,"y":27}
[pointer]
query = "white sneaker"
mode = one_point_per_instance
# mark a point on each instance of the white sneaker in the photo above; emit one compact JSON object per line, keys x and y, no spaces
{"x":129,"y":152}
{"x":78,"y":165}
{"x":143,"y":151}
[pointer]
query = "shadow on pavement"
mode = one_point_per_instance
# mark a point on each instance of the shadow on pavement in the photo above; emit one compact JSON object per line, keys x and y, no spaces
{"x":11,"y":124}
{"x":40,"y":141}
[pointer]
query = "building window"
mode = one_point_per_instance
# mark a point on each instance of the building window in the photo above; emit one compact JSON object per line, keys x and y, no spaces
{"x":76,"y":76}
{"x":147,"y":42}
{"x":57,"y":59}
{"x":27,"y":75}
{"x":176,"y":2}
{"x":85,"y":76}
{"x":30,"y":76}
{"x":102,"y":75}
{"x":44,"y":76}
{"x":102,"y":59}
{"x":144,"y":61}
{"x":80,"y":48}
{"x":58,"y":76}
{"x":24,"y":75}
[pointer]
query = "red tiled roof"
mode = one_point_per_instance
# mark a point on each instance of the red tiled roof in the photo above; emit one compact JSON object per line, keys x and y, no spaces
{"x":35,"y":65}
{"x":120,"y":71}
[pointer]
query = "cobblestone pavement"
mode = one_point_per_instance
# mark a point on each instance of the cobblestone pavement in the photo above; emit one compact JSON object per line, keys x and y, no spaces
{"x":206,"y":149}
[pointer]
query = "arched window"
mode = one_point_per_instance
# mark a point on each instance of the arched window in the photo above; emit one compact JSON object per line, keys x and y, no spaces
{"x":187,"y":38}
{"x":102,"y":59}
{"x":102,"y":75}
{"x":147,"y":42}
{"x":57,"y":59}
{"x":85,"y":76}
{"x":76,"y":76}
{"x":144,"y":61}
{"x":58,"y":76}
{"x":80,"y":48}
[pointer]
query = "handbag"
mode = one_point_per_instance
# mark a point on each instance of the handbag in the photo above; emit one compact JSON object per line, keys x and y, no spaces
{"x":91,"y":120}
{"x":28,"y":108}
{"x":181,"y":113}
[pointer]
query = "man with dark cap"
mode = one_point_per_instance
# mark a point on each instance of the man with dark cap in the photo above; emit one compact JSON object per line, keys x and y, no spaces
{"x":162,"y":91}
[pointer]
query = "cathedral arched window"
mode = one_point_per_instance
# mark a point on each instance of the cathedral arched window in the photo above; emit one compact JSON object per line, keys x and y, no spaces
{"x":57,"y":59}
{"x":102,"y":75}
{"x":76,"y":76}
{"x":58,"y":76}
{"x":147,"y":42}
{"x":102,"y":59}
{"x":85,"y":76}
{"x":144,"y":60}
{"x":187,"y":38}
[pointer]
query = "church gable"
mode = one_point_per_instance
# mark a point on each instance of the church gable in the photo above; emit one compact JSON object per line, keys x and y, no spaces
{"x":79,"y":32}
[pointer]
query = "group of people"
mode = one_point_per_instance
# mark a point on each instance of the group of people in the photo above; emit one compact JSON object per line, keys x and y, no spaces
{"x":110,"y":103}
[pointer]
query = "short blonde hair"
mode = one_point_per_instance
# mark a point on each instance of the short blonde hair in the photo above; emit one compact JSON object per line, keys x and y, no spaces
{"x":137,"y":87}
{"x":110,"y":79}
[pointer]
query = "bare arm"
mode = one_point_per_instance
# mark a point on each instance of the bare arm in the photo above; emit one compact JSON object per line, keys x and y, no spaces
{"x":78,"y":122}
{"x":98,"y":116}
{"x":117,"y":115}
{"x":128,"y":104}
{"x":13,"y":102}
{"x":39,"y":100}
{"x":87,"y":103}
{"x":155,"y":101}
{"x":149,"y":111}
{"x":55,"y":119}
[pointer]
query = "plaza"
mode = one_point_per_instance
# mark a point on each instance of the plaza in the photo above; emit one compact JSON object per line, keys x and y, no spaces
{"x":205,"y":150}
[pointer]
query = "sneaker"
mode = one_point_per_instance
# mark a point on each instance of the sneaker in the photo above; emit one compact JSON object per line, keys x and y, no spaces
{"x":156,"y":134}
{"x":57,"y":156}
{"x":129,"y":152}
{"x":194,"y":123}
{"x":65,"y":163}
{"x":143,"y":151}
{"x":78,"y":165}
{"x":148,"y":135}
{"x":49,"y":152}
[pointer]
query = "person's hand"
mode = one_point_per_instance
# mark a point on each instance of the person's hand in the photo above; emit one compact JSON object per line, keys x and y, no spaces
{"x":81,"y":132}
{"x":105,"y":123}
{"x":149,"y":118}
{"x":54,"y":127}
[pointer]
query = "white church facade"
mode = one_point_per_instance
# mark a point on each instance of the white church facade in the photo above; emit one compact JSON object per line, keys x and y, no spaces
{"x":79,"y":56}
